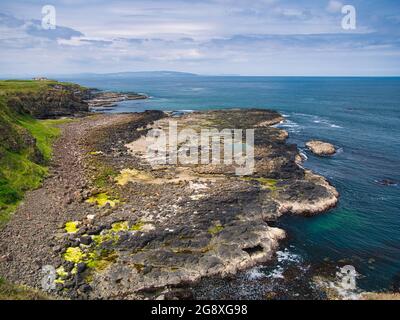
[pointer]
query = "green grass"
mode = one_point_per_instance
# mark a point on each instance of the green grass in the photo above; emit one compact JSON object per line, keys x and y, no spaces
{"x":19,"y":172}
{"x":16,"y":292}
{"x":11,"y":86}
{"x":22,"y":163}
{"x":17,"y":175}
{"x":105,"y":173}
{"x":26,"y":86}
{"x":44,"y":131}
{"x":25,"y":151}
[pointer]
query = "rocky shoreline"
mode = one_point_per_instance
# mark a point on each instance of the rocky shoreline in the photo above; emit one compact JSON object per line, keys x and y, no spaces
{"x":104,"y":100}
{"x":115,"y":227}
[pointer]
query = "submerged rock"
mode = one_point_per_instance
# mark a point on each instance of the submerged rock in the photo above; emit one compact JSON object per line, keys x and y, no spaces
{"x":321,"y":148}
{"x":387,"y":182}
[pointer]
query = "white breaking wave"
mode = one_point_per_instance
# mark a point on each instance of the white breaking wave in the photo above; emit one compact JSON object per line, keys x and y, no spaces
{"x":277,"y":273}
{"x":256,"y":273}
{"x":319,"y":120}
{"x":303,"y":154}
{"x":290,"y":126}
{"x":287,"y":256}
{"x":325,"y":122}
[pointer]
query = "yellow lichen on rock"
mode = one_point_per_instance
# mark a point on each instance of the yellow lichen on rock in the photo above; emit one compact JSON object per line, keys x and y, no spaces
{"x":265,"y":183}
{"x":102,"y":199}
{"x":59,"y":281}
{"x":71,"y":226}
{"x":132,"y":175}
{"x":74,"y":254}
{"x":120,"y":226}
{"x":61,"y":275}
{"x":268,"y":183}
{"x":95,"y":153}
{"x":61,"y":272}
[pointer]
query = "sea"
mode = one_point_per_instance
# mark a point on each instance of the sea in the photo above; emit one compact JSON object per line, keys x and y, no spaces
{"x":360,"y":116}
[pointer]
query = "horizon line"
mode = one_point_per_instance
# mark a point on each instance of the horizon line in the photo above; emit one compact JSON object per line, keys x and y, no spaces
{"x":47,"y":75}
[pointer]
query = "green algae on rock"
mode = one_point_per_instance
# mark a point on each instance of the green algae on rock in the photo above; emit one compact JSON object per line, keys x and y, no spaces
{"x":138,"y":226}
{"x":120,"y":226}
{"x":99,"y":260}
{"x":10,"y":291}
{"x":98,"y":239}
{"x":215,"y":229}
{"x":267,"y":183}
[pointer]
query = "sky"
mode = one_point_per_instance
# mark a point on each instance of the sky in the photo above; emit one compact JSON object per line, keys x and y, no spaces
{"x":210,"y":37}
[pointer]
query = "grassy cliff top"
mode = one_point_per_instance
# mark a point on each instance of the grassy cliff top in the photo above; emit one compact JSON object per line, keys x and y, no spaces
{"x":25,"y":143}
{"x":27,"y":86}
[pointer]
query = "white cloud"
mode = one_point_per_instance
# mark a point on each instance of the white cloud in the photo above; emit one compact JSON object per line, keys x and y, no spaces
{"x":334,"y":6}
{"x":212,"y":36}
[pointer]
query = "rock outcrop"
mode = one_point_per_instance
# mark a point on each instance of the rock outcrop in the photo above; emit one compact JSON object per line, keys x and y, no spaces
{"x":105,"y":100}
{"x":192,"y":221}
{"x":321,"y":148}
{"x":54,"y":99}
{"x":51,"y":101}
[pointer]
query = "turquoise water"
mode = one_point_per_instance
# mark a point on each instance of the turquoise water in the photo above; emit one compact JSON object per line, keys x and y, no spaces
{"x":361,"y":116}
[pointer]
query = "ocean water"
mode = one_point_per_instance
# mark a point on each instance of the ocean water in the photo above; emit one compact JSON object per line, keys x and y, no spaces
{"x":361,"y":116}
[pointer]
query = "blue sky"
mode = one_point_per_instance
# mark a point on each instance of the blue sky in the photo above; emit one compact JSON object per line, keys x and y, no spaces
{"x":247,"y":37}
